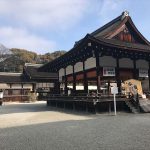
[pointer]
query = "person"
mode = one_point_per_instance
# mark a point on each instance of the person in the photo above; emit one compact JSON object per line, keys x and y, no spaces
{"x":1,"y":97}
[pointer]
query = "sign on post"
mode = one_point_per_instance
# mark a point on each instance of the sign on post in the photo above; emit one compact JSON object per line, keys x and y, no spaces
{"x":1,"y":94}
{"x":143,"y":72}
{"x":109,"y":71}
{"x":114,"y":91}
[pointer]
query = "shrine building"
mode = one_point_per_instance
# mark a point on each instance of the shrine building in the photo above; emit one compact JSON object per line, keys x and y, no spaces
{"x":110,"y":55}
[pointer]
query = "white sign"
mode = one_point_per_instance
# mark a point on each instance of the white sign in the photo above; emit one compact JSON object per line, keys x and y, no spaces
{"x":108,"y":71}
{"x":114,"y":90}
{"x":143,"y":73}
{"x":1,"y":94}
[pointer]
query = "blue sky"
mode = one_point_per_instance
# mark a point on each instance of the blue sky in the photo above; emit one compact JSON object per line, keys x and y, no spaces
{"x":48,"y":25}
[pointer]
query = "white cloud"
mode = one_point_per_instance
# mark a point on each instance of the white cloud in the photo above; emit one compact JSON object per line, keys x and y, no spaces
{"x":21,"y":38}
{"x":44,"y":13}
{"x":111,"y":7}
{"x":21,"y":19}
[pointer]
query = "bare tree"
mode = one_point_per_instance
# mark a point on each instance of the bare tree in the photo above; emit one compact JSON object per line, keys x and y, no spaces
{"x":4,"y":53}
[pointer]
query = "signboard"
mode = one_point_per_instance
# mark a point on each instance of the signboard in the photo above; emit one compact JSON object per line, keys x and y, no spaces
{"x":108,"y":71}
{"x":1,"y":95}
{"x":143,"y":73}
{"x":114,"y":90}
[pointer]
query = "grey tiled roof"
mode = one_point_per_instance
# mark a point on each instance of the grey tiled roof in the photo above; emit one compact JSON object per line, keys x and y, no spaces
{"x":34,"y":73}
{"x":13,"y":78}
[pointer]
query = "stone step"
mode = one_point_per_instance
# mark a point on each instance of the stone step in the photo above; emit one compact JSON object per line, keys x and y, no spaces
{"x":131,"y":107}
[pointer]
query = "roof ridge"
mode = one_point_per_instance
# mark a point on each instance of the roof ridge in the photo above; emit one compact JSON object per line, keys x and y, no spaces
{"x":106,"y":25}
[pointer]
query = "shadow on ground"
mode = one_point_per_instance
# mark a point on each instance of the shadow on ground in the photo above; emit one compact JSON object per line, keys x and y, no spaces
{"x":111,"y":133}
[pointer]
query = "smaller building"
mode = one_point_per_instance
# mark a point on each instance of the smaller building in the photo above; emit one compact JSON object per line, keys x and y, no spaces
{"x":43,"y":81}
{"x":15,"y":86}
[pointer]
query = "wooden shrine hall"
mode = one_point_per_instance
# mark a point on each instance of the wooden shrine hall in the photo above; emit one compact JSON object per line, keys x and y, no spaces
{"x":108,"y":56}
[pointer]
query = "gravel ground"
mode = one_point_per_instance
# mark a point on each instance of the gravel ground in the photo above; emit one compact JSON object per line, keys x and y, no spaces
{"x":37,"y":127}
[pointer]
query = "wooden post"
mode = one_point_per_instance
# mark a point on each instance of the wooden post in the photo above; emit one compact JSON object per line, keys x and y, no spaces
{"x":134,"y":69}
{"x":118,"y":76}
{"x":34,"y":87}
{"x":109,"y":107}
{"x":86,"y":103}
{"x":66,"y":91}
{"x":64,"y":105}
{"x":85,"y":79}
{"x":74,"y":105}
{"x":59,"y":82}
{"x":74,"y":81}
{"x":98,"y":72}
{"x":149,"y":74}
{"x":56,"y":87}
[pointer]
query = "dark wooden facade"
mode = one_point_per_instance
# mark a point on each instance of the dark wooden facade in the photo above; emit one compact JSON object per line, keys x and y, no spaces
{"x":126,"y":50}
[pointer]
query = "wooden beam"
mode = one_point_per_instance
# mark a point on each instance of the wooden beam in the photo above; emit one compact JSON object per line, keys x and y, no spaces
{"x":74,"y":81}
{"x":98,"y":71}
{"x":149,"y":74}
{"x":135,"y":76}
{"x":118,"y":75}
{"x":85,"y":78}
{"x":66,"y":89}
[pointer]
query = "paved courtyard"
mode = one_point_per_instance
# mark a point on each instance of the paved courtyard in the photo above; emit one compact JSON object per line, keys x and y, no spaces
{"x":35,"y":126}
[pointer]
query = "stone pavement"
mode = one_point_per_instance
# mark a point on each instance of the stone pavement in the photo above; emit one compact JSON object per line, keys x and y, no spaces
{"x":37,"y":127}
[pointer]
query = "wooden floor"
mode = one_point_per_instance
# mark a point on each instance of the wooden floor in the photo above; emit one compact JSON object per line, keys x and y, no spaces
{"x":88,"y":104}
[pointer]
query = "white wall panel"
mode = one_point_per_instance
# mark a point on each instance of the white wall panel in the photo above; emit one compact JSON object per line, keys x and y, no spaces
{"x":125,"y":63}
{"x":90,"y":63}
{"x":142,"y":64}
{"x":107,"y":61}
{"x":16,"y":86}
{"x":69,"y":70}
{"x":61,"y":72}
{"x":27,"y":86}
{"x":78,"y":67}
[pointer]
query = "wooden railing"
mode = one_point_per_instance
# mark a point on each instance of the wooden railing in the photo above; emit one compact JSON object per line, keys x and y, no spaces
{"x":82,"y":97}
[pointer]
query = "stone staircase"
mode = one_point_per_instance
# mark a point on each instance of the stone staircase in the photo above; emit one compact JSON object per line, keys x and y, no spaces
{"x":145,"y":105}
{"x":132,"y":108}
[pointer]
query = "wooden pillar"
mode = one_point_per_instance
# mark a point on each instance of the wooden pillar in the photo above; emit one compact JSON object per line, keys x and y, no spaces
{"x":59,"y":83}
{"x":34,"y":87}
{"x":85,"y":79}
{"x":66,"y":90}
{"x":118,"y":75}
{"x":22,"y":91}
{"x":98,"y":72}
{"x":134,"y":69}
{"x":149,"y":74}
{"x":56,"y":87}
{"x":74,"y":81}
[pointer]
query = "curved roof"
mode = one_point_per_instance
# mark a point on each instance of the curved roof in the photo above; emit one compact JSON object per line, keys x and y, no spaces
{"x":104,"y":36}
